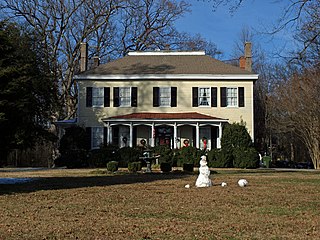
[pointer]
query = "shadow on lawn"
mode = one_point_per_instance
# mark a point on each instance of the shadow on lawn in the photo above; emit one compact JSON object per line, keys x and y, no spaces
{"x":55,"y":183}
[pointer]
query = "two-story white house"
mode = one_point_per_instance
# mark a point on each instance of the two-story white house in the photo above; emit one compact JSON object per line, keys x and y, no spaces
{"x":164,"y":97}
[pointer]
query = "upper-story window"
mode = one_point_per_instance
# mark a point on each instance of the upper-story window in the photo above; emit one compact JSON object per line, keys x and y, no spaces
{"x":232,"y":97}
{"x":165,"y":96}
{"x":98,"y":97}
{"x":125,"y":96}
{"x":204,"y":96}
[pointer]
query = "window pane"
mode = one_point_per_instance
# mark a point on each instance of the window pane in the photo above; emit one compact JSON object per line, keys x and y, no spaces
{"x":97,"y":97}
{"x":165,"y":96}
{"x":204,"y":96}
{"x":97,"y":137}
{"x":232,"y":97}
{"x":125,"y":96}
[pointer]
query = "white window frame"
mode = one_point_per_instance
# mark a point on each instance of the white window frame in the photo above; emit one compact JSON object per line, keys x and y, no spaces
{"x":164,"y":96}
{"x":232,"y":97}
{"x":122,"y":97}
{"x":96,"y":137}
{"x":97,"y":97}
{"x":201,"y":96}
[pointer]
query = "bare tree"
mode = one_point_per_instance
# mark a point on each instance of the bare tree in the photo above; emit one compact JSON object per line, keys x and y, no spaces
{"x":62,"y":25}
{"x":295,"y":108}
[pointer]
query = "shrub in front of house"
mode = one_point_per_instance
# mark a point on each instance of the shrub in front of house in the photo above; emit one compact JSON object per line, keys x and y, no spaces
{"x":219,"y":158}
{"x":165,"y":167}
{"x":134,"y":167}
{"x":128,"y":155}
{"x":75,"y":158}
{"x":100,"y":157}
{"x":189,"y":155}
{"x":246,"y":158}
{"x":165,"y":153}
{"x":112,"y":166}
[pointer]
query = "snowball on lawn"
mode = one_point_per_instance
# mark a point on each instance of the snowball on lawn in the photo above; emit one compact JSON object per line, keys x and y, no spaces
{"x":223,"y":184}
{"x":242,"y":182}
{"x":187,"y":186}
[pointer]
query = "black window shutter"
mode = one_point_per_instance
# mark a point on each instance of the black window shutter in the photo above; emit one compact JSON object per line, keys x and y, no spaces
{"x":194,"y":97}
{"x":107,"y":97}
{"x":105,"y":136}
{"x":88,"y":138}
{"x":156,"y":94}
{"x":89,"y":97}
{"x":223,"y":97}
{"x":173,"y":96}
{"x":134,"y":97}
{"x":241,"y":96}
{"x":214,"y":94}
{"x":116,"y":100}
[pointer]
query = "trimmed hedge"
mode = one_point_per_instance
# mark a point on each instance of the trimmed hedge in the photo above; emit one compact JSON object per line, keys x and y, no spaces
{"x":112,"y":166}
{"x":219,"y":158}
{"x":134,"y":166}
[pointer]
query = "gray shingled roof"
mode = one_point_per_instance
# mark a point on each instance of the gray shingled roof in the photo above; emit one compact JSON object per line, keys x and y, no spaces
{"x":165,"y":64}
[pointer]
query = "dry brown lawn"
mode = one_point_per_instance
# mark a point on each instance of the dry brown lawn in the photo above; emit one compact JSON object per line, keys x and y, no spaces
{"x":88,"y":204}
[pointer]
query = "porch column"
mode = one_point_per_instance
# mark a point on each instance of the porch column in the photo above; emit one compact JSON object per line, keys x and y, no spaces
{"x":109,"y":134}
{"x":131,"y":135}
{"x":153,"y":132}
{"x":197,"y":136}
{"x":175,"y":135}
{"x":219,"y":136}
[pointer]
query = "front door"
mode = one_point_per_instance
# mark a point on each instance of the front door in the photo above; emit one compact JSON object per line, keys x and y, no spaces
{"x":164,"y":136}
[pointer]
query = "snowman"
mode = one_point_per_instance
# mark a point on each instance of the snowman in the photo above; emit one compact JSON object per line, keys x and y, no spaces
{"x":203,"y":179}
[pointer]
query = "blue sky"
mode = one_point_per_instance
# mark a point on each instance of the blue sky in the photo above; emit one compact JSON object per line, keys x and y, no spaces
{"x":223,"y":29}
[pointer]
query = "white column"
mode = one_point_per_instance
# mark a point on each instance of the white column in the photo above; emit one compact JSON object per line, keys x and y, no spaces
{"x":175,"y":135}
{"x":131,"y":135}
{"x":219,"y":136}
{"x":109,"y":134}
{"x":197,"y":136}
{"x":153,"y":131}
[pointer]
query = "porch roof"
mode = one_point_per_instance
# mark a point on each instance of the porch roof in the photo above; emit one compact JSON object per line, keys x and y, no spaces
{"x":165,"y":116}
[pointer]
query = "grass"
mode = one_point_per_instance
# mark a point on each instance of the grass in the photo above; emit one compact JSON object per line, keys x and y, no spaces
{"x":93,"y":204}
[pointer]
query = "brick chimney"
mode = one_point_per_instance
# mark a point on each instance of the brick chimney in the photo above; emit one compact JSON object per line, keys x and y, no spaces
{"x":248,"y":56}
{"x":96,"y":61}
{"x":83,"y":57}
{"x":245,"y":62}
{"x":242,"y":62}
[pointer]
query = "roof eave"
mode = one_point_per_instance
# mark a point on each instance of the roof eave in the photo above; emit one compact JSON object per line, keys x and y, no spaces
{"x":167,"y":76}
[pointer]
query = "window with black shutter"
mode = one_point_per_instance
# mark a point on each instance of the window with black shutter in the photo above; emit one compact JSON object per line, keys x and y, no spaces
{"x":156,"y":96}
{"x":116,"y":97}
{"x":173,"y":96}
{"x":241,"y":96}
{"x":223,"y":96}
{"x":194,"y":97}
{"x":134,"y":97}
{"x":107,"y":96}
{"x":214,"y":96}
{"x":89,"y":96}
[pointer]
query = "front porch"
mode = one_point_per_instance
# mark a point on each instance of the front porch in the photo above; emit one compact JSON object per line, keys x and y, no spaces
{"x":173,"y":129}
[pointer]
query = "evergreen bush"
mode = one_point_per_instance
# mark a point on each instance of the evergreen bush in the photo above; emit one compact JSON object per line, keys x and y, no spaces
{"x":100,"y":157}
{"x":246,"y":158}
{"x":128,"y":155}
{"x":76,"y":158}
{"x":134,"y":167}
{"x":219,"y":158}
{"x":112,"y":166}
{"x":189,"y":155}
